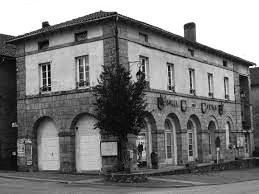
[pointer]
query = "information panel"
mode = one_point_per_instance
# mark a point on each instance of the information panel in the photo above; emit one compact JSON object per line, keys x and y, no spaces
{"x":109,"y":148}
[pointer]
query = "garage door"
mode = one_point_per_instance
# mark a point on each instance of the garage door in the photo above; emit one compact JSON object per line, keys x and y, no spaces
{"x":48,"y":146}
{"x":87,"y":145}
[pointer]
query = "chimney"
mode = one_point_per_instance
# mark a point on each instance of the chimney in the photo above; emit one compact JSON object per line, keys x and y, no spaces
{"x":45,"y":24}
{"x":190,"y":31}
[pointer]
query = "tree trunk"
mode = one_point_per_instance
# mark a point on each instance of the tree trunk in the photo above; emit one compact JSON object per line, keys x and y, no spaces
{"x":124,"y":159}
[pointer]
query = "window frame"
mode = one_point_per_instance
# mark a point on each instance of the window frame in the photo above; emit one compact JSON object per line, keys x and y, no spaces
{"x":171,"y":78}
{"x":226,"y":88}
{"x":47,"y":87}
{"x":42,"y":46}
{"x":84,"y":83}
{"x":79,"y":33}
{"x":146,"y":66}
{"x":191,"y":52}
{"x":210,"y":85}
{"x":143,"y":37}
{"x":192,"y":81}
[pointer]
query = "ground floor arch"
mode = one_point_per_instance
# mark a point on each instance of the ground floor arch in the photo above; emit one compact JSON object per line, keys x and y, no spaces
{"x":87,"y":144}
{"x":194,"y":141}
{"x":212,"y":138}
{"x":48,"y":145}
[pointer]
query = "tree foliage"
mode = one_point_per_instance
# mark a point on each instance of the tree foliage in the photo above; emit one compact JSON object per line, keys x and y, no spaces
{"x":120,"y":101}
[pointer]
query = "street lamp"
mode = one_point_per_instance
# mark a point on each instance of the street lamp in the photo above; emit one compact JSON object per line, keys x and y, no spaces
{"x":139,"y":75}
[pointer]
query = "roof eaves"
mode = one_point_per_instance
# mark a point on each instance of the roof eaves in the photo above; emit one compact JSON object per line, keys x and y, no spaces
{"x":32,"y":34}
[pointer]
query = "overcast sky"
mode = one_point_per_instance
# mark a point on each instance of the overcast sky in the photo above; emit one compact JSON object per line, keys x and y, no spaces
{"x":228,"y":25}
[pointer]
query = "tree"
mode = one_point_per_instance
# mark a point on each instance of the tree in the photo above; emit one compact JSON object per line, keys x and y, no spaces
{"x":120,"y":105}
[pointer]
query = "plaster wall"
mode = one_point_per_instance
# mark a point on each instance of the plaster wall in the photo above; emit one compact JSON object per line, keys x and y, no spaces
{"x":63,"y":37}
{"x":158,"y":72}
{"x":63,"y":66}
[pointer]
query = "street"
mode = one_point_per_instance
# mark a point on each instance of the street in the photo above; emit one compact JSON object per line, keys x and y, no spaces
{"x":19,"y":186}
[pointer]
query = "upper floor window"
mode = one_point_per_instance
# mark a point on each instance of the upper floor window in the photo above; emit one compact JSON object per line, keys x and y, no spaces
{"x":225,"y":63}
{"x":192,"y":81}
{"x":144,"y":66}
{"x":170,"y":77}
{"x":43,"y":44}
{"x":226,"y":87}
{"x":81,"y":36}
{"x":82,"y":66}
{"x":143,"y":37}
{"x":210,"y":84}
{"x":191,"y":52}
{"x":45,"y":72}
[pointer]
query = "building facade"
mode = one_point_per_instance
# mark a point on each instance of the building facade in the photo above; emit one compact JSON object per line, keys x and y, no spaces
{"x":254,"y":73}
{"x":194,"y":110}
{"x":8,"y":130}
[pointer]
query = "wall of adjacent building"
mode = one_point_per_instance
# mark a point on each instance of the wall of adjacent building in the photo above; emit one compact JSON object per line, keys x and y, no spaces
{"x":8,"y":134}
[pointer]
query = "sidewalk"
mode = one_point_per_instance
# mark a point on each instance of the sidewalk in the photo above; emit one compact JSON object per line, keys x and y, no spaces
{"x":165,"y":181}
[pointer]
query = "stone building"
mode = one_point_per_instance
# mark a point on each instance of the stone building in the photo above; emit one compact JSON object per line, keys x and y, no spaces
{"x":254,"y":73}
{"x":194,"y":100}
{"x":8,"y":132}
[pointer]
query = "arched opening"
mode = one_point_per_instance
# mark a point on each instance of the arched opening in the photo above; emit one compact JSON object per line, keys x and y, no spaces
{"x":191,"y":140}
{"x":170,"y":142}
{"x":87,"y":144}
{"x":194,"y":142}
{"x":211,"y":130}
{"x":228,"y":129}
{"x":47,"y":145}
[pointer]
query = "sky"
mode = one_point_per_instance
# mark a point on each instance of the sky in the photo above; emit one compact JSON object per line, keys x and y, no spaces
{"x":228,"y":25}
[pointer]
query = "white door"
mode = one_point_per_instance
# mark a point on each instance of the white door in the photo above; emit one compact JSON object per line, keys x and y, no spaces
{"x":48,"y":146}
{"x":87,"y":145}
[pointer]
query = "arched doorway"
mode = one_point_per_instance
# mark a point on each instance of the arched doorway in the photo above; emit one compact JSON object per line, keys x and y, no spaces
{"x":191,"y":141}
{"x":170,"y":142}
{"x":48,"y":145}
{"x":212,"y":147}
{"x":228,"y":129}
{"x":87,"y":141}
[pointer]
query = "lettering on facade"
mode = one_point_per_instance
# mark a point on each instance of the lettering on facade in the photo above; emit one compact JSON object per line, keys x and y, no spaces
{"x":162,"y":102}
{"x":205,"y":107}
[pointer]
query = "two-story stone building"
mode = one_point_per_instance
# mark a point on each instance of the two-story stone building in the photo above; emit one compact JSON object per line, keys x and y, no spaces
{"x":8,"y":130}
{"x":194,"y":100}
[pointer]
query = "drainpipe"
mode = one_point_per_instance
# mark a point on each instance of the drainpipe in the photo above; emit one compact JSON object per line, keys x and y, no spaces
{"x":117,"y":41}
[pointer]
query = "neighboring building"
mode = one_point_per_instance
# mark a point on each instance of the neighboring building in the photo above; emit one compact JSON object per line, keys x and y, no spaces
{"x":254,"y":74}
{"x":8,"y":132}
{"x":194,"y":102}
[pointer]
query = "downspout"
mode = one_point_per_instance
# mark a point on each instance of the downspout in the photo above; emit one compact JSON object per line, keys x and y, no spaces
{"x":117,"y":41}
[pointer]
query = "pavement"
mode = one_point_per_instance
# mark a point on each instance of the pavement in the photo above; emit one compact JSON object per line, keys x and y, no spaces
{"x":166,"y":181}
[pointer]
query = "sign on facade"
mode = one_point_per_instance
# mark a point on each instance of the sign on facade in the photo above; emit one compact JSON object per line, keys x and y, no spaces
{"x":109,"y":148}
{"x":20,"y":148}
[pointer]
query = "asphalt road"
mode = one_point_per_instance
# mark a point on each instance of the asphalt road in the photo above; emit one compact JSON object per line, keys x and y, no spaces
{"x":19,"y":186}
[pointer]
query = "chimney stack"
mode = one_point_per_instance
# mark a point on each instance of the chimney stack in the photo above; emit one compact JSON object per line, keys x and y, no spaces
{"x":190,"y":31}
{"x":45,"y":24}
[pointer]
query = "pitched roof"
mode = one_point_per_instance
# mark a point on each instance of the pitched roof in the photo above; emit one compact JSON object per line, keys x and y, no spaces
{"x":254,"y":75}
{"x":101,"y":15}
{"x":81,"y":20}
{"x":6,"y":49}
